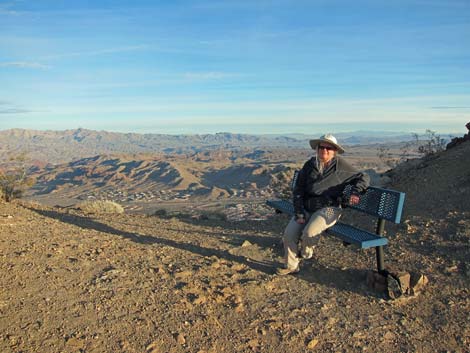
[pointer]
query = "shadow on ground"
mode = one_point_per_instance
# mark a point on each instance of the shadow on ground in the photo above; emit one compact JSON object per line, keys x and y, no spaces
{"x":350,"y":280}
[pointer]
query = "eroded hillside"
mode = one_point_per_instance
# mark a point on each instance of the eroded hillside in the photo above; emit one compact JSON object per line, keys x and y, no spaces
{"x":126,"y":179}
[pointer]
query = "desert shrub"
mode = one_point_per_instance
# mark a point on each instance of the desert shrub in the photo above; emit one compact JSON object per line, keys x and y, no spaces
{"x":14,"y":179}
{"x":213,"y":215}
{"x":391,"y":160}
{"x":386,"y":157}
{"x":169,"y":214}
{"x":101,"y":206}
{"x":432,"y":144}
{"x":162,"y":213}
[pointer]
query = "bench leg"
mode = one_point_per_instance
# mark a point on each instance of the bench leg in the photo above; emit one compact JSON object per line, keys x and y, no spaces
{"x":379,"y":251}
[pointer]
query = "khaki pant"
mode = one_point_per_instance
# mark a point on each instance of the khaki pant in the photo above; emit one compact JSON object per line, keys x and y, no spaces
{"x":307,"y":234}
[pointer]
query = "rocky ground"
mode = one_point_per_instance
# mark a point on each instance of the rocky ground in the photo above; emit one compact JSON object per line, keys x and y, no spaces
{"x":74,"y":282}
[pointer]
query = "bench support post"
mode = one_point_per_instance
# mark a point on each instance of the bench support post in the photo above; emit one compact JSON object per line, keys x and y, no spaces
{"x":379,"y":250}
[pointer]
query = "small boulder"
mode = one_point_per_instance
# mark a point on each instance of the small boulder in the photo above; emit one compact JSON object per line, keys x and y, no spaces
{"x":417,"y":282}
{"x":246,"y":243}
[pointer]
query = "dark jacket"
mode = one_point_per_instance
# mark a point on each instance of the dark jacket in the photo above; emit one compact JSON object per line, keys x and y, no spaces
{"x":313,"y":190}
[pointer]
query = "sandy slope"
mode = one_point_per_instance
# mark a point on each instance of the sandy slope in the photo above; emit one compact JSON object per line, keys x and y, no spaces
{"x":126,"y":283}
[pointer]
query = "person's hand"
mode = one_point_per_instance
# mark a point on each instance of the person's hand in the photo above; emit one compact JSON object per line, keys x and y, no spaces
{"x":300,"y":219}
{"x":354,"y":199}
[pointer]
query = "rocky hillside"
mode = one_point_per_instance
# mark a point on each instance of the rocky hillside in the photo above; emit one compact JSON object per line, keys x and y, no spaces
{"x":437,"y":184}
{"x":76,"y":282}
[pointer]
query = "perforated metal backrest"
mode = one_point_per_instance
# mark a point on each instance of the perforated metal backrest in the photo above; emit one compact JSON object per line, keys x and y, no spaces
{"x":383,"y":203}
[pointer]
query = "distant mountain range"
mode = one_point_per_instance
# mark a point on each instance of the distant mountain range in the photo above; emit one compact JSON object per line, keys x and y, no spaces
{"x":69,"y":145}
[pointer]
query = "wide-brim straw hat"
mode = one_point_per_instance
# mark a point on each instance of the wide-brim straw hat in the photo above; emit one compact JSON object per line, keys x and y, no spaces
{"x":328,"y":138}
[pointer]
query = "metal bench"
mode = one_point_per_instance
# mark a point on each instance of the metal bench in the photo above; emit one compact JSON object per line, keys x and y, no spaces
{"x":386,"y":205}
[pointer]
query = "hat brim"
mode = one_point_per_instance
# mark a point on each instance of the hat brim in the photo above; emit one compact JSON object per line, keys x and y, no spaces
{"x":314,"y":143}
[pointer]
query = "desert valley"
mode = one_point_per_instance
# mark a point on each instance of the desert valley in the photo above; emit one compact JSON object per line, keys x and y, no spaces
{"x":228,"y":173}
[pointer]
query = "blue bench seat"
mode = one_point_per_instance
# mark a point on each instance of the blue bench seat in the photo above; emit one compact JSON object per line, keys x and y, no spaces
{"x":345,"y":232}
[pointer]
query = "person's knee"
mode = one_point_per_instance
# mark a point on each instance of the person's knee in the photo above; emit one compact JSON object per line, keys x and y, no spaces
{"x":314,"y":230}
{"x":290,"y":237}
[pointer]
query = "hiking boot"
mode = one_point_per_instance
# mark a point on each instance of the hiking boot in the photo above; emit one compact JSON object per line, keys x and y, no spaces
{"x":287,"y":271}
{"x":306,"y":252}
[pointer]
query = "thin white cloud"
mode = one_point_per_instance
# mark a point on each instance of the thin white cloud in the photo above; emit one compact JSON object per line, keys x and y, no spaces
{"x":6,"y":8}
{"x":25,"y":65}
{"x":15,"y":111}
{"x":99,"y":52}
{"x":212,"y":75}
{"x":394,"y":109}
{"x":8,"y":12}
{"x":450,"y":107}
{"x":7,"y":107}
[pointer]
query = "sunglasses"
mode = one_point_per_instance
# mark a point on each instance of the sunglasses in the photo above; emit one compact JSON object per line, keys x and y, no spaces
{"x":328,"y":148}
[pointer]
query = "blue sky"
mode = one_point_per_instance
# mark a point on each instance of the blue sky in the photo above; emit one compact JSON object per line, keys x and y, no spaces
{"x":247,"y":66}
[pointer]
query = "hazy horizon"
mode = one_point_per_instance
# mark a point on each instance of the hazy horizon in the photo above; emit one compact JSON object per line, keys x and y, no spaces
{"x":312,"y":130}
